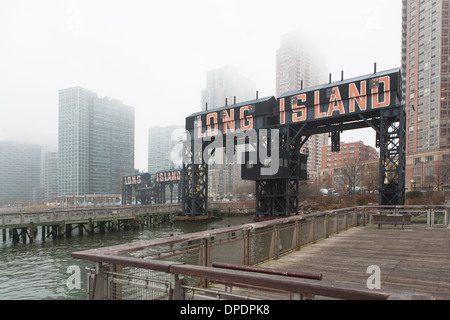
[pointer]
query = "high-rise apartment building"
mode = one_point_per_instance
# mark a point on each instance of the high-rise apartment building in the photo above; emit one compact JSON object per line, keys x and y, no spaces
{"x":299,"y":65}
{"x":224,"y":85}
{"x":426,"y":78}
{"x":20,"y":172}
{"x":95,"y":142}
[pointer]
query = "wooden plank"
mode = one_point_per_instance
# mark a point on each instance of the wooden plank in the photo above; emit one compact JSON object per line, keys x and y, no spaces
{"x":416,"y":259}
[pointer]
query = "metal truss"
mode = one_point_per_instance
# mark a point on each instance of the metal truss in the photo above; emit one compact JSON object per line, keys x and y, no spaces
{"x":149,"y":195}
{"x":194,"y":181}
{"x":280,"y":196}
{"x":391,"y":140}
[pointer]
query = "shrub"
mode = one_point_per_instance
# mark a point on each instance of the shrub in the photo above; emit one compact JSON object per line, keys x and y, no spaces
{"x":413,"y":194}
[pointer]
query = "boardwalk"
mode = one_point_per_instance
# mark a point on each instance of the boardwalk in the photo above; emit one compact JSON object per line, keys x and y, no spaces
{"x":416,"y":259}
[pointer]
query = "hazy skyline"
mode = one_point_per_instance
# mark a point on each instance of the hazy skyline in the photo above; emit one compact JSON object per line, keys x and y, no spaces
{"x":154,"y":55}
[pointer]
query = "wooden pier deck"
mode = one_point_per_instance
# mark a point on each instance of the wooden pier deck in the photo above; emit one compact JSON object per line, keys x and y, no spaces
{"x":58,"y":223}
{"x":416,"y":259}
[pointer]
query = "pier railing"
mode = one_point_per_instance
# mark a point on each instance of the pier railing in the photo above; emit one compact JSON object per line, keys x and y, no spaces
{"x":177,"y":267}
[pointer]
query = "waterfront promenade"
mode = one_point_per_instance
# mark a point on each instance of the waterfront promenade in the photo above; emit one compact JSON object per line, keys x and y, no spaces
{"x":340,"y":245}
{"x":416,"y":259}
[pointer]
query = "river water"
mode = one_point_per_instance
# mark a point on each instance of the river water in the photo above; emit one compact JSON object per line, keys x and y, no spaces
{"x":39,"y":270}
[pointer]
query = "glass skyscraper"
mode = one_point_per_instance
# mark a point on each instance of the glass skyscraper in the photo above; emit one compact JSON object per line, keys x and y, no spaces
{"x":96,"y":143}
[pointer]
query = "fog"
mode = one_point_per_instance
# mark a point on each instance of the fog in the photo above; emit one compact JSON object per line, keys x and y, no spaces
{"x":154,"y":55}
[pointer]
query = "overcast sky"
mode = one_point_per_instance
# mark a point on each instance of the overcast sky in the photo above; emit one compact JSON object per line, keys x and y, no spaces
{"x":154,"y":55}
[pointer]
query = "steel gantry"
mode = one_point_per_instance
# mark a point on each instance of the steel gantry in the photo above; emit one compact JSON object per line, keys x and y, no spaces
{"x":273,"y":132}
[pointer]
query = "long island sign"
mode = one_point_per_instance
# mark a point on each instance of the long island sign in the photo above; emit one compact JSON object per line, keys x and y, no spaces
{"x":344,"y":99}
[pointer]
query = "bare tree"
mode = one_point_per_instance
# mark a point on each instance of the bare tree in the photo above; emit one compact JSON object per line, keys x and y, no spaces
{"x":351,"y":173}
{"x":244,"y":189}
{"x":441,"y":175}
{"x":371,"y":176}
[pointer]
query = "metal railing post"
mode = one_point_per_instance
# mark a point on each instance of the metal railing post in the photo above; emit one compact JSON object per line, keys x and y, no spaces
{"x":298,"y":237}
{"x":205,"y":255}
{"x":446,"y":217}
{"x":346,"y":219}
{"x":314,"y":224}
{"x":100,"y":286}
{"x":277,"y":242}
{"x":247,"y":248}
{"x":364,"y":217}
{"x":176,"y":290}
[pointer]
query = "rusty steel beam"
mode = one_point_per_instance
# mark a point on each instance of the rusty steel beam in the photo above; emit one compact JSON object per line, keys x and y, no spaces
{"x":287,"y":273}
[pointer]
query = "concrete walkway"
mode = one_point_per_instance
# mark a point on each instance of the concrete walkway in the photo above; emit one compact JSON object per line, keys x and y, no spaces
{"x":416,"y":259}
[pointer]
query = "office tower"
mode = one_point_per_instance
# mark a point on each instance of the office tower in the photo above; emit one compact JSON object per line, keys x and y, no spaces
{"x":425,"y":67}
{"x":163,"y":153}
{"x":300,"y":65}
{"x":51,"y":175}
{"x":224,"y":85}
{"x":96,"y":142}
{"x":20,"y":172}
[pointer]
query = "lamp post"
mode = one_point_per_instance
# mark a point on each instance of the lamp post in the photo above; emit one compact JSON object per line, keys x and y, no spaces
{"x":413,"y":185}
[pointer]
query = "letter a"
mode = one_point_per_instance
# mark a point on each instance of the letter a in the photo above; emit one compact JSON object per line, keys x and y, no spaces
{"x":374,"y":281}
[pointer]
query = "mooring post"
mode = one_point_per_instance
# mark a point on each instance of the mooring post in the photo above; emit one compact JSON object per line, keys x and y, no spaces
{"x":54,"y":232}
{"x":15,"y":235}
{"x":68,"y":230}
{"x":32,"y":231}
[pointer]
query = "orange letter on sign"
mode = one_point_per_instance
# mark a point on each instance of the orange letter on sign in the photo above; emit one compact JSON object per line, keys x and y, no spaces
{"x":317,"y":112}
{"x":249,"y":119}
{"x":198,"y":123}
{"x":336,"y":97}
{"x":357,"y":97}
{"x":228,"y":121}
{"x":215,"y":131}
{"x":386,"y":80}
{"x":296,"y":108}
{"x":282,"y":112}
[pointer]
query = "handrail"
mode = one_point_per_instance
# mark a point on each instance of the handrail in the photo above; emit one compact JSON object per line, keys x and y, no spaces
{"x":327,"y":222}
{"x":273,"y":281}
{"x":145,"y":244}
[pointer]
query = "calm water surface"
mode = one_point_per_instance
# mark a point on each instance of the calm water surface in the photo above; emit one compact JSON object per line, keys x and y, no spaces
{"x":38,"y":271}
